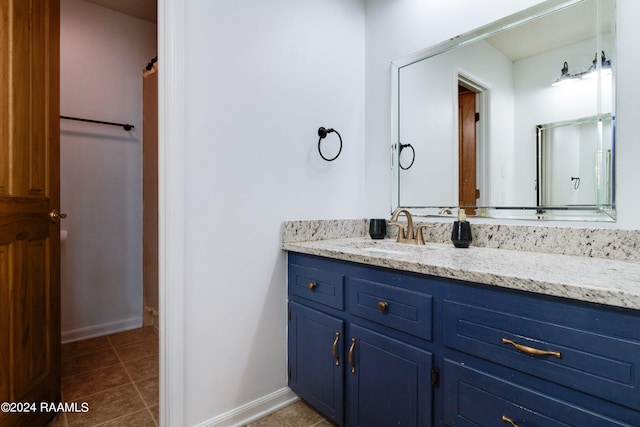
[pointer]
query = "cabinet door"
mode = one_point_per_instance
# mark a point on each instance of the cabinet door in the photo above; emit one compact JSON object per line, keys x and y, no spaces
{"x":316,"y":360}
{"x":389,"y":382}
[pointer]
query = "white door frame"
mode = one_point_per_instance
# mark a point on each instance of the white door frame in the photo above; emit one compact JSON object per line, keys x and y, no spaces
{"x":171,"y":182}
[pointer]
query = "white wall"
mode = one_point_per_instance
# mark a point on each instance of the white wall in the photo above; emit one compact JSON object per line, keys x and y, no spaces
{"x":399,"y":28}
{"x":102,"y":54}
{"x":540,"y":103}
{"x":432,"y":126}
{"x":261,"y":78}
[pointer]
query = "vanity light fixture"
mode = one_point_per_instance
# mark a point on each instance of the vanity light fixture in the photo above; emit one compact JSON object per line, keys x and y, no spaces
{"x":565,"y":77}
{"x":592,"y":71}
{"x":605,"y":65}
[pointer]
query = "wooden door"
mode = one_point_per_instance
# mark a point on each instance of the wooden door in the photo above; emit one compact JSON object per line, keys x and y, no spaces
{"x":467,"y":193}
{"x":29,"y":191}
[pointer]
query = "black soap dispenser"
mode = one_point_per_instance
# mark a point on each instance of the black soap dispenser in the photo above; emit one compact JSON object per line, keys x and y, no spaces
{"x":461,"y":233}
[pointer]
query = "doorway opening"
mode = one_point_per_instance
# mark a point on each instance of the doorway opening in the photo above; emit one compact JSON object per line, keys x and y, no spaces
{"x":150,"y":272}
{"x":472,"y":147}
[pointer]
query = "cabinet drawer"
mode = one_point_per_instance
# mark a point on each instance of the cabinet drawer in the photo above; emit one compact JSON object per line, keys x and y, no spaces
{"x":603,"y":366}
{"x":475,"y":398}
{"x":402,"y":309}
{"x":320,"y":285}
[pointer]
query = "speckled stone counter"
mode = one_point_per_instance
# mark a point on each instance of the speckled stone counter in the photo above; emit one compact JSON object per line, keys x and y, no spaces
{"x":607,"y":243}
{"x":598,"y":280}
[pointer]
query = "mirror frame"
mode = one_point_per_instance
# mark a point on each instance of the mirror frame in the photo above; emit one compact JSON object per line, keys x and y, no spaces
{"x":590,"y":213}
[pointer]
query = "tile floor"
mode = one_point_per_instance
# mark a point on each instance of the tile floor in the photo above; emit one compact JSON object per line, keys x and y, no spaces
{"x":298,"y":414}
{"x":117,"y":375}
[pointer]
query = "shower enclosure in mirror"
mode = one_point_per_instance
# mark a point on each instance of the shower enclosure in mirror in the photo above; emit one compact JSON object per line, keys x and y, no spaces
{"x":575,"y":165}
{"x":485,"y":121}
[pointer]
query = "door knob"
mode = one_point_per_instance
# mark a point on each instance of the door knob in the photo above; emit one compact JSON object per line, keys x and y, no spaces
{"x":56,"y":216}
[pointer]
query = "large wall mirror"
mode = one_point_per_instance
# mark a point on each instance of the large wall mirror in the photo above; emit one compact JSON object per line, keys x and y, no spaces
{"x":513,"y":120}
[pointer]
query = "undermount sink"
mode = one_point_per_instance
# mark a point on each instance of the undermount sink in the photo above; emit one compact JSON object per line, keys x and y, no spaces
{"x":386,"y":246}
{"x":385,"y":251}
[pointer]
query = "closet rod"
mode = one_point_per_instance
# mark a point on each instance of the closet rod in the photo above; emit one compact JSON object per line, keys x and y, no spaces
{"x":124,"y":125}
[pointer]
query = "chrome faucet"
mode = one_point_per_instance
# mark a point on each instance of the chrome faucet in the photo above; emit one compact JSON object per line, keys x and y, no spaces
{"x":407,"y":237}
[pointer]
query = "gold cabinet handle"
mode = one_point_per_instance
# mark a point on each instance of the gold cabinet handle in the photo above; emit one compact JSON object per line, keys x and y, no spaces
{"x":351,"y":354}
{"x":334,"y":349}
{"x":509,"y":420}
{"x":531,"y":350}
{"x":56,"y":216}
{"x":312,"y":286}
{"x":383,"y":306}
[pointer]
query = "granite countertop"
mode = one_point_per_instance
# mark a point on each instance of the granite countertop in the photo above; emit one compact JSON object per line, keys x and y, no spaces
{"x":597,"y":280}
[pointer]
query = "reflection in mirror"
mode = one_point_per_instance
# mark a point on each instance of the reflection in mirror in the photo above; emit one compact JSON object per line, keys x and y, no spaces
{"x":574,"y":164}
{"x":471,"y":110}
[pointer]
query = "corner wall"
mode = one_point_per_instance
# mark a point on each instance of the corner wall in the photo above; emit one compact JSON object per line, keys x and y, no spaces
{"x":260,"y":79}
{"x":102,"y":57}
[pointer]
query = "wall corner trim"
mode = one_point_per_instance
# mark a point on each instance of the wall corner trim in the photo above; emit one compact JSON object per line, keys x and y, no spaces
{"x":101,"y":329}
{"x":171,"y":211}
{"x":253,"y":410}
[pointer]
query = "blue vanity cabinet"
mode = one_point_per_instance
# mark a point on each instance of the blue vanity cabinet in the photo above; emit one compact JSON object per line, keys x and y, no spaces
{"x":388,"y":381}
{"x":316,"y":359}
{"x":358,"y":345}
{"x":533,"y":360}
{"x":370,"y":346}
{"x":391,"y":333}
{"x":476,"y":397}
{"x":316,"y":334}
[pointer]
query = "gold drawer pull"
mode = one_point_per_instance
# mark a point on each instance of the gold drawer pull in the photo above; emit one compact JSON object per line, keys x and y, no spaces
{"x":312,"y":286}
{"x":531,"y":350}
{"x":509,"y":420}
{"x":334,"y":349}
{"x":383,"y":306}
{"x":351,"y":354}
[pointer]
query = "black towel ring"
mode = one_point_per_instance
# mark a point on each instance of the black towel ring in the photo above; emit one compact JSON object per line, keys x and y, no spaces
{"x":576,"y":182}
{"x":413,"y":159}
{"x":322,"y":133}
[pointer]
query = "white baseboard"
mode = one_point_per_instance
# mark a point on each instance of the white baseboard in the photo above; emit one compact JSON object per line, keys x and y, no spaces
{"x":253,"y":410}
{"x":102,"y":329}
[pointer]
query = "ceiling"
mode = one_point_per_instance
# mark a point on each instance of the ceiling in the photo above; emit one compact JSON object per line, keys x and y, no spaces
{"x":563,"y":28}
{"x":142,"y":9}
{"x":559,"y":29}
